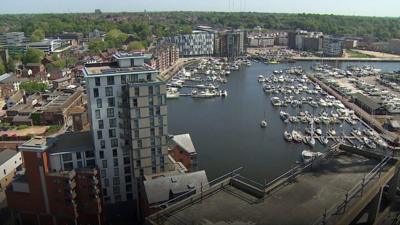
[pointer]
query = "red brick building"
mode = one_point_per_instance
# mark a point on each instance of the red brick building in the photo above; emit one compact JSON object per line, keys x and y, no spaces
{"x":164,"y":56}
{"x":49,"y":194}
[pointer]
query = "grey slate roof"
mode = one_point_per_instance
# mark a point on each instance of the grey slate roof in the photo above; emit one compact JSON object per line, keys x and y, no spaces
{"x":185,"y":142}
{"x":6,"y":155}
{"x":159,"y":189}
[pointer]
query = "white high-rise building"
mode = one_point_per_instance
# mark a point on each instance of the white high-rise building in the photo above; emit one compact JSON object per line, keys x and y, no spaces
{"x":128,"y":114}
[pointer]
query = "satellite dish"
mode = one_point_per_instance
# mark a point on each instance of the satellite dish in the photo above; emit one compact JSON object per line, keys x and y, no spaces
{"x":29,"y":72}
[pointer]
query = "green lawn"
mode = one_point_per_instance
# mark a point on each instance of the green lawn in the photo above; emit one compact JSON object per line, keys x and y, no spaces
{"x":355,"y":54}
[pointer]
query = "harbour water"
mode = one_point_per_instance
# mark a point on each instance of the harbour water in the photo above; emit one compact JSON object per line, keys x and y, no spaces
{"x":226,"y":131}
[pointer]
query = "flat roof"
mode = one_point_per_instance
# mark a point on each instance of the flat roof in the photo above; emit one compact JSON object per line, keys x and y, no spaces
{"x":134,"y":55}
{"x":113,"y":68}
{"x":72,"y":142}
{"x":300,"y":202}
{"x":185,"y":142}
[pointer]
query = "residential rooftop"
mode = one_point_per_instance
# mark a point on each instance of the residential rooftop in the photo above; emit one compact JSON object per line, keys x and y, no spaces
{"x":6,"y":155}
{"x":72,"y":142}
{"x":94,"y":69}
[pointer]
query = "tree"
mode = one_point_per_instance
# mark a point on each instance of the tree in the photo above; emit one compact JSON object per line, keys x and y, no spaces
{"x":37,"y":35}
{"x":33,"y":55}
{"x":115,"y":38}
{"x":136,"y":45}
{"x":31,"y":87}
{"x":2,"y":67}
{"x":11,"y":65}
{"x":97,"y":45}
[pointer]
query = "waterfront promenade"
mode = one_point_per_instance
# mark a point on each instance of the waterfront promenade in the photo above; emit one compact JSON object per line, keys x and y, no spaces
{"x":342,"y":59}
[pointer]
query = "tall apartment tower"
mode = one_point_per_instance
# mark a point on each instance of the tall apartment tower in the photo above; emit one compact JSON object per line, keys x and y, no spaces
{"x":128,"y":116}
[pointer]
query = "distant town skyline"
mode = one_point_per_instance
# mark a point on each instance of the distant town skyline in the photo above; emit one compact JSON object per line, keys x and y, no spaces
{"x":339,"y":7}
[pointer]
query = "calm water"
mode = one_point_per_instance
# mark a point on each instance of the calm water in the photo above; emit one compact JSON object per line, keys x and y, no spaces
{"x":226,"y":131}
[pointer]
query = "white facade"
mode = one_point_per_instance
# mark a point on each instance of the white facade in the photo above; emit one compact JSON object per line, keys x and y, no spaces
{"x":11,"y":160}
{"x":128,"y":116}
{"x":198,"y":43}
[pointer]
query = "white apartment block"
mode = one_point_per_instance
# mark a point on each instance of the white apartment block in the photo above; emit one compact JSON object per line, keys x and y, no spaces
{"x":128,"y":116}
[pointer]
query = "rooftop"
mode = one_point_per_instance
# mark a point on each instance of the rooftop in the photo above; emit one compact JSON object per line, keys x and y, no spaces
{"x":113,"y":68}
{"x":160,"y":189}
{"x":185,"y":142}
{"x":6,"y":155}
{"x":301,"y":201}
{"x":134,"y":55}
{"x":368,"y":101}
{"x":72,"y":142}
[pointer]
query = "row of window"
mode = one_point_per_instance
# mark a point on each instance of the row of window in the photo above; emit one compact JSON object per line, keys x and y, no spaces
{"x":108,"y":90}
{"x":110,"y":113}
{"x":114,"y":143}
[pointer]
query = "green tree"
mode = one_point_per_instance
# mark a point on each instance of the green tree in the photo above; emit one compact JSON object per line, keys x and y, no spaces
{"x":11,"y":65}
{"x":115,"y":38}
{"x":97,"y":45}
{"x":37,"y":35}
{"x":2,"y":67}
{"x":135,"y":45}
{"x":31,"y":87}
{"x":33,"y":55}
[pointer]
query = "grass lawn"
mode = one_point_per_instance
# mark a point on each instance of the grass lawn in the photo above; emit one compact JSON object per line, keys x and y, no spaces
{"x":355,"y":54}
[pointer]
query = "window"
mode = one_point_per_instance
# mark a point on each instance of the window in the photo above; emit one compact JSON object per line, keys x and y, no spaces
{"x":110,"y":112}
{"x":111,"y":102}
{"x":160,"y":131}
{"x":99,"y":134}
{"x":128,"y":187}
{"x":152,"y":132}
{"x":68,"y":166}
{"x":110,"y":80}
{"x":95,"y":92}
{"x":117,"y":198}
{"x":114,"y":143}
{"x":136,"y":91}
{"x":90,"y":163}
{"x":101,"y":124}
{"x":127,"y":161}
{"x":112,"y":122}
{"x":97,"y":81}
{"x":116,"y":190}
{"x":151,"y":101}
{"x":99,"y":103}
{"x":135,"y":102}
{"x":80,"y":164}
{"x":67,"y":157}
{"x":123,"y":79}
{"x":149,"y":76}
{"x":116,"y":172}
{"x":115,"y":153}
{"x":127,"y":170}
{"x":116,"y":181}
{"x":101,"y":154}
{"x":104,"y":163}
{"x":97,"y":114}
{"x":136,"y":133}
{"x":128,"y":179}
{"x":139,"y":143}
{"x":78,"y":155}
{"x":103,"y":144}
{"x":103,"y":173}
{"x":109,"y":91}
{"x":150,"y":90}
{"x":158,"y":110}
{"x":106,"y":182}
{"x":154,"y":169}
{"x":111,"y":133}
{"x":115,"y":162}
{"x":105,"y":191}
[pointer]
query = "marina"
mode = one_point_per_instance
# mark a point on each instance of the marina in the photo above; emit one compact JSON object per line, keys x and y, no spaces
{"x":232,"y":128}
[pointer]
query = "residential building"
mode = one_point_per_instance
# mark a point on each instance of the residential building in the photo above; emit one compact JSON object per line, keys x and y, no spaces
{"x":9,"y":84}
{"x":60,"y":184}
{"x":48,"y":45}
{"x":261,"y":41}
{"x":164,"y":56}
{"x":10,"y":163}
{"x":198,"y":43}
{"x":232,"y":44}
{"x":332,"y":47}
{"x":12,"y":38}
{"x":305,"y":40}
{"x":128,"y":114}
{"x":350,"y":43}
{"x":182,"y":150}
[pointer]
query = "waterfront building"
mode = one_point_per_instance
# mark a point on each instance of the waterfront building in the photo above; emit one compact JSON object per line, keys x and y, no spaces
{"x":261,"y":41}
{"x":48,"y":45}
{"x":60,"y":184}
{"x":164,"y":56}
{"x":10,"y":163}
{"x":394,"y":46}
{"x":198,"y":43}
{"x":128,"y":114}
{"x":332,"y":47}
{"x":305,"y":40}
{"x":232,"y":44}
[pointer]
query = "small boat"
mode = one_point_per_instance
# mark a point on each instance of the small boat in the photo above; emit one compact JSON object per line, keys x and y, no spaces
{"x":287,"y":136}
{"x":308,"y":155}
{"x":310,"y":140}
{"x":323,"y":140}
{"x":296,"y":136}
{"x":318,"y":131}
{"x":369,"y":143}
{"x":263,"y":124}
{"x":332,"y":132}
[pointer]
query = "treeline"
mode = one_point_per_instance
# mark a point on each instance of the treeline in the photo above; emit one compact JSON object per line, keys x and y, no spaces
{"x":143,"y":25}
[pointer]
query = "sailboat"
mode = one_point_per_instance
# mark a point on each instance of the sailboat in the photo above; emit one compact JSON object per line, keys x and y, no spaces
{"x":310,"y":139}
{"x":264,"y":123}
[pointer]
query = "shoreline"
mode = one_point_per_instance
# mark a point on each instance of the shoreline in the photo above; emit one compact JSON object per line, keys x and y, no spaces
{"x":346,"y":59}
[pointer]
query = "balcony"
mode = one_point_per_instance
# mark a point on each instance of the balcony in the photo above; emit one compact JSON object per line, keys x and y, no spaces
{"x":70,"y":195}
{"x":70,"y":185}
{"x":95,"y":181}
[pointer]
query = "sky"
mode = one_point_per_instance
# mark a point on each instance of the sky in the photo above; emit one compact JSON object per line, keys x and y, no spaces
{"x":342,"y":7}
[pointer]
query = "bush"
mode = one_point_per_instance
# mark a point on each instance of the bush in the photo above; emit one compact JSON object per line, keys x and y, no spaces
{"x":53,"y":128}
{"x":21,"y":127}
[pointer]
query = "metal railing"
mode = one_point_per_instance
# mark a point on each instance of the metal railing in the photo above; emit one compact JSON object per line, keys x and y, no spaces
{"x":356,"y":191}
